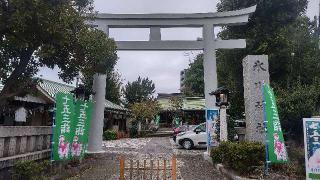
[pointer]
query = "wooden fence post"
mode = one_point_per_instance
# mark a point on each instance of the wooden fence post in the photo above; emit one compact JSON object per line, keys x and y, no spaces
{"x":122,"y":159}
{"x":144,"y":170}
{"x":174,"y":168}
{"x":158,"y":170}
{"x":131,"y":168}
{"x":164,"y":170}
{"x":138,"y":168}
{"x":151,"y":167}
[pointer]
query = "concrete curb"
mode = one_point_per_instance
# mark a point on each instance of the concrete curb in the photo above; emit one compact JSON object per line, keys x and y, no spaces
{"x":229,"y":174}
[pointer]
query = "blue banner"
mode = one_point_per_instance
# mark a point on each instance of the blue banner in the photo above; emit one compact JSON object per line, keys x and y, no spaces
{"x":212,"y":116}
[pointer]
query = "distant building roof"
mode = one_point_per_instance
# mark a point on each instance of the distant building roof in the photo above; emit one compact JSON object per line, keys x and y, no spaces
{"x":189,"y":103}
{"x":168,"y":95}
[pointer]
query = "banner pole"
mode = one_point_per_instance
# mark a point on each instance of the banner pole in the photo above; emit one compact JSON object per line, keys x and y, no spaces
{"x":266,"y":169}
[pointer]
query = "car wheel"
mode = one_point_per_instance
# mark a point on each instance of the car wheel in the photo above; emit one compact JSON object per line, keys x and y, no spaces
{"x":187,"y":144}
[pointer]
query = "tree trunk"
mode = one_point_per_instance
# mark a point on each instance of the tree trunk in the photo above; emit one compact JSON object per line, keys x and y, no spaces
{"x":13,"y":78}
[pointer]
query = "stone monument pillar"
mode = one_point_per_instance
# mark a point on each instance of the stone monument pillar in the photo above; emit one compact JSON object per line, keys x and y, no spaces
{"x":255,"y":73}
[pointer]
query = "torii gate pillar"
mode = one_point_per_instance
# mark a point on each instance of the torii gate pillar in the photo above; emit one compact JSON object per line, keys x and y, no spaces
{"x":209,"y":66}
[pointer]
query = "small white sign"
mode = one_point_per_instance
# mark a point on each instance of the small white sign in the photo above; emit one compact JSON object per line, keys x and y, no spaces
{"x":21,"y":115}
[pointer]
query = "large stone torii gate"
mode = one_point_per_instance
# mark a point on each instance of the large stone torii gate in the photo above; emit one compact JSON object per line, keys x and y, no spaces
{"x":155,"y":22}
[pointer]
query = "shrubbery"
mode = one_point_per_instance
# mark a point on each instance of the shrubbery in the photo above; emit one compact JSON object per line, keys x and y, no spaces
{"x":110,"y":135}
{"x":30,"y":170}
{"x":121,"y":135}
{"x":243,"y":157}
{"x":133,"y":131}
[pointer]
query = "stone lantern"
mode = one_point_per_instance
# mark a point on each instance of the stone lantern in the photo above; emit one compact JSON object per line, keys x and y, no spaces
{"x":222,"y":101}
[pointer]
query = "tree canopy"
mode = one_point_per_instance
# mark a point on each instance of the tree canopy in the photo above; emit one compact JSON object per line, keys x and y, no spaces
{"x":176,"y":105}
{"x":138,"y":91}
{"x":46,"y":33}
{"x":145,"y":110}
{"x":281,"y":30}
{"x":194,"y":82}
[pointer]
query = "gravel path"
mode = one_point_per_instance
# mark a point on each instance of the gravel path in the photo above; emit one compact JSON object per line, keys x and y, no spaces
{"x":190,"y":164}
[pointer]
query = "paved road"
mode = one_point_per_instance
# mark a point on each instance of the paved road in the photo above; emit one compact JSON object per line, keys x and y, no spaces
{"x":190,"y":164}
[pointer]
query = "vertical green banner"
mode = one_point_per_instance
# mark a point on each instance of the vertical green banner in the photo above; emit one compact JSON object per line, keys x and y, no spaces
{"x":62,"y":132}
{"x":277,"y":152}
{"x":80,"y":128}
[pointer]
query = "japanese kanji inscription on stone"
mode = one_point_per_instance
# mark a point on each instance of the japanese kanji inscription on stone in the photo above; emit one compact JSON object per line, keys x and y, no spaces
{"x":255,"y":73}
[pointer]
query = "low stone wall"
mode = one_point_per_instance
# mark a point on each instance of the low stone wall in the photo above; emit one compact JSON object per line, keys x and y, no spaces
{"x":23,"y":143}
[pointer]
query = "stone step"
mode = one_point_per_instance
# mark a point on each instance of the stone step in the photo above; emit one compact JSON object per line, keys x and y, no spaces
{"x":165,"y":129}
{"x":161,"y":134}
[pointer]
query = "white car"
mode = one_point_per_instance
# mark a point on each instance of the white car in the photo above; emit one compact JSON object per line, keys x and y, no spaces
{"x":194,"y":137}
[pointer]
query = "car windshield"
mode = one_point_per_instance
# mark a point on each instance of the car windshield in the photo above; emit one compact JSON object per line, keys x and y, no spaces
{"x":202,"y":127}
{"x":192,"y":127}
{"x":187,"y":127}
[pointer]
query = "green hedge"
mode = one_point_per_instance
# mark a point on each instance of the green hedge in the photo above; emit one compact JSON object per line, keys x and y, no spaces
{"x":243,"y":157}
{"x":110,"y":135}
{"x":30,"y":170}
{"x":133,"y":131}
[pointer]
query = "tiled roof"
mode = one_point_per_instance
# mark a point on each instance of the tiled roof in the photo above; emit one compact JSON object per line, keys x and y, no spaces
{"x":110,"y":105}
{"x":189,"y":103}
{"x":194,"y":103}
{"x":52,"y":87}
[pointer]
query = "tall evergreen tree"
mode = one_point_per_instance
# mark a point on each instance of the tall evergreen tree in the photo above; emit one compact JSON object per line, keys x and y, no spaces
{"x":138,"y":91}
{"x":281,"y":30}
{"x":194,"y":82}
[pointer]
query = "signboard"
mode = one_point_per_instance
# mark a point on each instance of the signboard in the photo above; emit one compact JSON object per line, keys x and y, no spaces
{"x":277,"y":152}
{"x":62,"y":135}
{"x":71,"y":129}
{"x":212,"y":117}
{"x":83,"y":110}
{"x":311,"y":127}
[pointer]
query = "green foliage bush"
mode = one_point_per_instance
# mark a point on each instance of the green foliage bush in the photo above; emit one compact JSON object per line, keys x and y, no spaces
{"x":133,"y":131}
{"x":299,"y":102}
{"x":110,"y":135}
{"x":30,"y":170}
{"x":243,"y":157}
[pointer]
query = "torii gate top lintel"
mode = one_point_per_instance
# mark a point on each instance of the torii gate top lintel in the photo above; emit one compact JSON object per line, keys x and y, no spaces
{"x":217,"y":18}
{"x":157,"y":21}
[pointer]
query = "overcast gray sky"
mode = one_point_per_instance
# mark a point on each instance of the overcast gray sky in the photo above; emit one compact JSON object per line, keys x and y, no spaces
{"x":161,"y":67}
